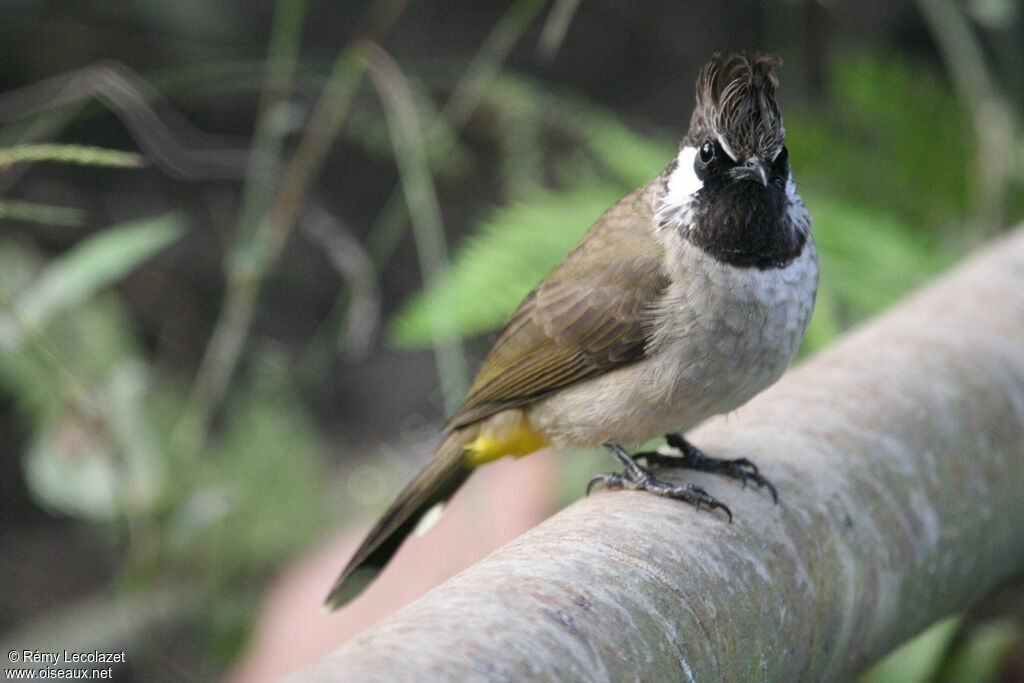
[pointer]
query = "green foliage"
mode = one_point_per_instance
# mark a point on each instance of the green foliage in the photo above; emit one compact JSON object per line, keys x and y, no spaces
{"x":494,"y":269}
{"x":102,"y":450}
{"x":92,"y":264}
{"x":46,"y":370}
{"x":46,"y":214}
{"x":630,"y":158}
{"x":79,"y":377}
{"x":917,"y":660}
{"x":946,"y":651}
{"x":867,"y":260}
{"x":977,"y":658}
{"x":890,"y":136}
{"x":253,"y":497}
{"x":98,"y":462}
{"x":207,"y":519}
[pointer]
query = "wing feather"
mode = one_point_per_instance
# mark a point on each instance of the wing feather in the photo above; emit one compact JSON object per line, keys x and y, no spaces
{"x":589,"y":315}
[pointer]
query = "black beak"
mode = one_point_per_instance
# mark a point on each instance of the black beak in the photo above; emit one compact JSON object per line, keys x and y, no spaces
{"x":755,"y":168}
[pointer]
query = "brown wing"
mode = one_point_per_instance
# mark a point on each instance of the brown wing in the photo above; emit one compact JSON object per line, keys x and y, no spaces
{"x":587,"y":316}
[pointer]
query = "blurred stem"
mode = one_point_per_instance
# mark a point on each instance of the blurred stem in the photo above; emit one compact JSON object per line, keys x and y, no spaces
{"x":994,"y":130}
{"x":47,"y":214}
{"x":83,"y":155}
{"x":488,"y":60}
{"x":421,"y":200}
{"x":248,"y":266}
{"x":356,"y":315}
{"x":556,"y":27}
{"x":522,"y":152}
{"x":242,"y":288}
{"x":268,"y":139}
{"x":465,"y":98}
{"x":170,"y":142}
{"x":41,"y":126}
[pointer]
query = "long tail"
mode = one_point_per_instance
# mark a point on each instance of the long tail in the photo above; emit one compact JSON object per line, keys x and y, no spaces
{"x":431,"y":487}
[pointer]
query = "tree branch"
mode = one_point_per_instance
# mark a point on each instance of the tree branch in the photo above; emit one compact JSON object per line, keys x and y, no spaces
{"x":899,"y":459}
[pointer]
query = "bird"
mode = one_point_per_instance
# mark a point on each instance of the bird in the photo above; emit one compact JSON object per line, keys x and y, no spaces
{"x":684,"y":300}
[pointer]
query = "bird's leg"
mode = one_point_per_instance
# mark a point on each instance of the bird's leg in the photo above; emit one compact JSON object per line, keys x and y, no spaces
{"x":637,"y":478}
{"x":691,"y":457}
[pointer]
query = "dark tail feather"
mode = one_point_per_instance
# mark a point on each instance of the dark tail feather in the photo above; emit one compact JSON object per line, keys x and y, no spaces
{"x":432,"y":485}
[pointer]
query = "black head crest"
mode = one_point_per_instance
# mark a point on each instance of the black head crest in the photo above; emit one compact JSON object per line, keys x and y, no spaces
{"x":736,"y":105}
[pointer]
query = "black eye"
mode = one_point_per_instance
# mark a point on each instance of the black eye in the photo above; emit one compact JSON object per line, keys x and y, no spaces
{"x":707,"y":153}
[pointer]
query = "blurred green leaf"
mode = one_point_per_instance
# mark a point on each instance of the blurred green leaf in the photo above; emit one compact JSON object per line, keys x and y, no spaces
{"x":979,"y":657}
{"x":98,"y":463}
{"x":631,"y":158}
{"x":74,"y":354}
{"x":47,"y":214}
{"x":140,"y":460}
{"x":254,"y":495}
{"x":494,"y":269}
{"x":918,"y":659}
{"x":891,"y":136}
{"x":74,"y":372}
{"x":94,"y":263}
{"x":69,"y":466}
{"x":867,"y":260}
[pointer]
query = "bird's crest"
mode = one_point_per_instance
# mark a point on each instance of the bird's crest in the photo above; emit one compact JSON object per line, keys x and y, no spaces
{"x":736,"y":105}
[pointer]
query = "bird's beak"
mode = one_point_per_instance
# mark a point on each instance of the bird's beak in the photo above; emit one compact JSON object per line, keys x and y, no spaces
{"x":755,"y":168}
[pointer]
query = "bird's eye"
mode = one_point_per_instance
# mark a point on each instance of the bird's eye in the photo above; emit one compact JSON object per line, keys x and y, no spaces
{"x":707,"y":152}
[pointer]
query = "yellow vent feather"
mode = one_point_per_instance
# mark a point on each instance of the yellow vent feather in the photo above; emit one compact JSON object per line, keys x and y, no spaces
{"x":518,"y":439}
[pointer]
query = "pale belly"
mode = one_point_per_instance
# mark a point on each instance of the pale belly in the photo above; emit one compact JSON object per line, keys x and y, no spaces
{"x":724,"y":335}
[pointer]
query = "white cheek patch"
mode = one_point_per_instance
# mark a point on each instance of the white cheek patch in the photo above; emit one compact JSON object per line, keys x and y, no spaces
{"x":683,"y":182}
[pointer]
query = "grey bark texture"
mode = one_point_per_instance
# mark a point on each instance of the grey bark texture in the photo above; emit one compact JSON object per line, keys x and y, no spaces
{"x":898,"y":454}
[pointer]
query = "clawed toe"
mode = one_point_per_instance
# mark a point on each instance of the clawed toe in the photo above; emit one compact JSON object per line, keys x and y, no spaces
{"x":609,"y":479}
{"x":760,"y":481}
{"x":636,"y":478}
{"x":691,"y":457}
{"x":744,"y":464}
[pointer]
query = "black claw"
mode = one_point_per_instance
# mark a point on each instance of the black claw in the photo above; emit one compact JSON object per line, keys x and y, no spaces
{"x":713,"y":503}
{"x":691,"y":457}
{"x":710,"y":502}
{"x":637,"y":478}
{"x":610,"y":480}
{"x":743,"y":462}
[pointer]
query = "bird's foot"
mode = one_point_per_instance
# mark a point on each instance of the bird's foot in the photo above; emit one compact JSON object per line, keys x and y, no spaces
{"x":637,"y":478}
{"x":691,"y":457}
